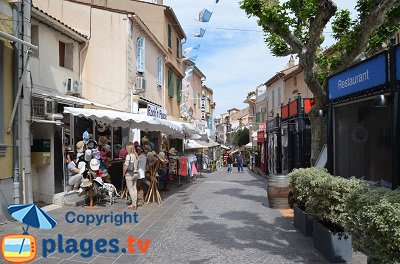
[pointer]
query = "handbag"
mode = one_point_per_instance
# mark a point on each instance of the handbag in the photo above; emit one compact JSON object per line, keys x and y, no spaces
{"x":131,"y":165}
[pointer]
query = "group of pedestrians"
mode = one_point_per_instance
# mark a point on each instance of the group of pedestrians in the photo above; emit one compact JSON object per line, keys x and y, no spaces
{"x":238,"y":160}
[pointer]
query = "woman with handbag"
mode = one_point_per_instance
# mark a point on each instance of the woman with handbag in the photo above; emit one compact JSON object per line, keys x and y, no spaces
{"x":131,"y":173}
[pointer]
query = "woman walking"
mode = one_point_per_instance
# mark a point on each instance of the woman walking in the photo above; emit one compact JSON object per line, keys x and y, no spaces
{"x":131,"y":173}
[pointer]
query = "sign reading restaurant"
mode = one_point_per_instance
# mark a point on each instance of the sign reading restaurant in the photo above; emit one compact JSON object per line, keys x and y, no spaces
{"x":156,"y":111}
{"x":363,"y":76}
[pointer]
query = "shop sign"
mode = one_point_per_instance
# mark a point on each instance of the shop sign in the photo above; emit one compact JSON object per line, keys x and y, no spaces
{"x":260,"y":136}
{"x":156,"y":111}
{"x":366,"y":75}
{"x":262,"y":126}
{"x":203,"y":107}
{"x":254,"y":135}
{"x":398,"y":63}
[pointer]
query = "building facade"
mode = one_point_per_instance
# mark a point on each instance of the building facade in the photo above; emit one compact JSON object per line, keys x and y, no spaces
{"x":6,"y":103}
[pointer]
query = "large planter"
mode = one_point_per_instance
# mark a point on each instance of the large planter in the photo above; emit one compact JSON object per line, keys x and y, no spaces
{"x":278,"y":191}
{"x":335,"y":248}
{"x":302,"y":221}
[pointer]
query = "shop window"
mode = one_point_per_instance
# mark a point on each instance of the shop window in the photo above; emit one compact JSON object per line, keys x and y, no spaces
{"x":35,"y":39}
{"x":140,"y":56}
{"x":169,"y":36}
{"x":170,"y":83}
{"x":66,"y":55}
{"x":160,"y":71}
{"x":362,"y":143}
{"x":1,"y":93}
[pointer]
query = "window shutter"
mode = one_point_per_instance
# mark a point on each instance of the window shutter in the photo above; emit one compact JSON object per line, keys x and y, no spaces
{"x":169,"y":36}
{"x":160,"y":65}
{"x":177,"y":48}
{"x":140,"y":54}
{"x":170,"y":83}
{"x":257,"y":117}
{"x":178,"y":90}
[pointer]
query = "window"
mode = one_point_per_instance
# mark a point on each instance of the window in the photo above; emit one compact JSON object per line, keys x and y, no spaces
{"x":169,"y":36}
{"x":177,"y":48}
{"x":295,"y":80}
{"x":178,"y":90}
{"x":160,"y":71}
{"x":35,"y":39}
{"x":140,"y":42}
{"x":170,"y":83}
{"x":65,"y":55}
{"x":1,"y":93}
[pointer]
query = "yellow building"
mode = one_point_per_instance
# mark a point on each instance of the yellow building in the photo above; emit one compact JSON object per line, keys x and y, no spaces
{"x":6,"y":98}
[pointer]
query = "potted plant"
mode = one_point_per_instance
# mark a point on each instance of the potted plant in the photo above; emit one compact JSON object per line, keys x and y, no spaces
{"x":300,"y":182}
{"x":373,"y":218}
{"x":326,"y":205}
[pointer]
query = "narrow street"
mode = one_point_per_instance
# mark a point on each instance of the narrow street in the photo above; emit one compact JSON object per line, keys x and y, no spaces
{"x":219,"y":218}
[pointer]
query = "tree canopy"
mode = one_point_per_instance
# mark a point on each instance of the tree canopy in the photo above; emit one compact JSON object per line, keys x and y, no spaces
{"x":296,"y":27}
{"x":241,"y":137}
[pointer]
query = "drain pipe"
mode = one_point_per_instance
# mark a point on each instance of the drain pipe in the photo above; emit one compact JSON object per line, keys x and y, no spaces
{"x":15,"y":138}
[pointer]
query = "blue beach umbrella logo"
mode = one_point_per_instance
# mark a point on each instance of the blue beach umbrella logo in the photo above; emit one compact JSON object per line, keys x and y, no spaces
{"x":32,"y":216}
{"x":22,"y":248}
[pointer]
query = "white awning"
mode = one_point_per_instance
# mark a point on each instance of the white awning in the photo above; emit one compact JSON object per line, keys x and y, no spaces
{"x":124,"y":119}
{"x":192,"y":144}
{"x":225,"y":147}
{"x":188,"y":130}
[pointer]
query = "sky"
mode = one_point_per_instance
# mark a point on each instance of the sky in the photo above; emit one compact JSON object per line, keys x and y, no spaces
{"x":232,"y":54}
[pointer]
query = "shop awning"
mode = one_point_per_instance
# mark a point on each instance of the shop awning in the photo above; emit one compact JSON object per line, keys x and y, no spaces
{"x":192,"y":144}
{"x":225,"y":147}
{"x":124,"y":119}
{"x":188,"y":130}
{"x":249,"y":145}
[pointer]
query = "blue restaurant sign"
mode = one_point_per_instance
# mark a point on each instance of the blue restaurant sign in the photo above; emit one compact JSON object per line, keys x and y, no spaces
{"x":364,"y":76}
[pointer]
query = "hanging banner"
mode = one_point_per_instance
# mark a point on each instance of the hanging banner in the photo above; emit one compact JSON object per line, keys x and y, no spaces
{"x":200,"y":34}
{"x":204,"y":15}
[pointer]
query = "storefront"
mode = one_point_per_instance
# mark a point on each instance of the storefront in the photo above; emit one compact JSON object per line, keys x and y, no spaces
{"x":261,"y":147}
{"x":363,"y":121}
{"x":295,"y":135}
{"x":274,"y":146}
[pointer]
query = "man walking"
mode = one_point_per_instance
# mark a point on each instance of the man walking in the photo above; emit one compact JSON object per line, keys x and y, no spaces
{"x":239,"y":161}
{"x":229,"y":161}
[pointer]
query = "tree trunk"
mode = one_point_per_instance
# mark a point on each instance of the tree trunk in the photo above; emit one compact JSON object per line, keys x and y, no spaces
{"x":318,"y":133}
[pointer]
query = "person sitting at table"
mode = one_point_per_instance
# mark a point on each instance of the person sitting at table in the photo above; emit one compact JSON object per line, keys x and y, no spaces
{"x":74,"y":173}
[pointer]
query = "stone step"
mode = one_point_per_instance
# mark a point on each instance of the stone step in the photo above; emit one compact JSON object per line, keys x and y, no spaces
{"x":68,"y":199}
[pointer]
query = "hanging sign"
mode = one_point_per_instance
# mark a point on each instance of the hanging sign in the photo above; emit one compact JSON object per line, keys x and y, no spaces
{"x":156,"y":111}
{"x":203,"y":107}
{"x":262,"y":126}
{"x":366,"y":75}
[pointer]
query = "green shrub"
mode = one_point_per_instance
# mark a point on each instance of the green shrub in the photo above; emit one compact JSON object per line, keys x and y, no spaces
{"x":327,"y":196}
{"x":373,"y":218}
{"x":300,"y":180}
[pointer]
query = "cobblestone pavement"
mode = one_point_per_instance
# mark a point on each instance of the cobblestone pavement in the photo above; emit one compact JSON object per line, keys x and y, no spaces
{"x":219,"y":218}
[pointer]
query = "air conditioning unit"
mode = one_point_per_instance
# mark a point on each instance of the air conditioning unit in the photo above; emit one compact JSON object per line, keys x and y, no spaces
{"x":73,"y":86}
{"x":140,"y":85}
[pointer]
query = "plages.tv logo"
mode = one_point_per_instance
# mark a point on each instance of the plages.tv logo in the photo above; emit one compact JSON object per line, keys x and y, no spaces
{"x":21,"y":248}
